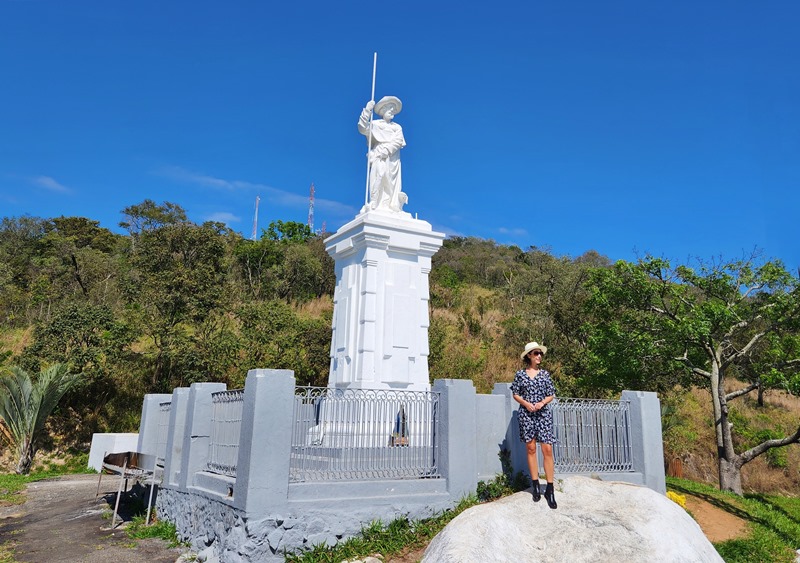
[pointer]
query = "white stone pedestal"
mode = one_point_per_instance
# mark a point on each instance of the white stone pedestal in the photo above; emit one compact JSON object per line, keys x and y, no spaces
{"x":380,"y":314}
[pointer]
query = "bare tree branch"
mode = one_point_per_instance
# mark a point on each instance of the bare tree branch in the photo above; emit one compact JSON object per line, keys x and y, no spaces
{"x":740,"y":392}
{"x":743,"y":352}
{"x":695,"y":370}
{"x":740,"y":324}
{"x":756,"y":451}
{"x":750,"y":290}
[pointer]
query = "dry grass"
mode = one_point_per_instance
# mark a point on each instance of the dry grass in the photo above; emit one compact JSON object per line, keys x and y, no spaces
{"x":474,"y":354}
{"x":783,"y":400}
{"x":447,"y":315}
{"x":16,"y":340}
{"x":316,"y":307}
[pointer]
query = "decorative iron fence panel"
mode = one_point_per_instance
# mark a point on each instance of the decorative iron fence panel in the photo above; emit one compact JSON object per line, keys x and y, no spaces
{"x":593,"y":436}
{"x":163,"y":430}
{"x":226,"y":426}
{"x":355,"y":434}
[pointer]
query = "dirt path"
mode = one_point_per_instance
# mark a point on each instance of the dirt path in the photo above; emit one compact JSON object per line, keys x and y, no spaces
{"x":717,"y":524}
{"x":61,"y":522}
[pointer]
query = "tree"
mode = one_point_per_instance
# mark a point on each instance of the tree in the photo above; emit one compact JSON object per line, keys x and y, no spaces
{"x":256,"y":261}
{"x":26,"y":403}
{"x":148,"y":215}
{"x":177,"y":278}
{"x":86,"y":233}
{"x":20,"y":240}
{"x":288,"y":231}
{"x":274,"y":335}
{"x":657,"y":326}
{"x":90,"y":341}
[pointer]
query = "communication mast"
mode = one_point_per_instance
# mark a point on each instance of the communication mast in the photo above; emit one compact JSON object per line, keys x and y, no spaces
{"x":255,"y":220}
{"x":311,"y":209}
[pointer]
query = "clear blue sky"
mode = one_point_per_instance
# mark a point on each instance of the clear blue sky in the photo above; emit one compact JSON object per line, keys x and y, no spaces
{"x":625,"y":127}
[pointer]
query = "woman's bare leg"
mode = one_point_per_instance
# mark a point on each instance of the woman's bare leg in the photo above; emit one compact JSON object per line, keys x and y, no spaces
{"x":533,"y":463}
{"x":549,"y":462}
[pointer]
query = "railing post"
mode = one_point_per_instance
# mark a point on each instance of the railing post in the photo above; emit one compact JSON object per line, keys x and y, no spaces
{"x":148,"y":427}
{"x":646,"y":441}
{"x":457,"y":429}
{"x":265,"y":443}
{"x":177,"y":427}
{"x":197,"y":432}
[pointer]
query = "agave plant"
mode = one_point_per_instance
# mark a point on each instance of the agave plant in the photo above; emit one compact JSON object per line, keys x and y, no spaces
{"x":25,"y":404}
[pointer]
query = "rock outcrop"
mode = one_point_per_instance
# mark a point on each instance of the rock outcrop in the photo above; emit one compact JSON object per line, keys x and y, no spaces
{"x":594,"y":521}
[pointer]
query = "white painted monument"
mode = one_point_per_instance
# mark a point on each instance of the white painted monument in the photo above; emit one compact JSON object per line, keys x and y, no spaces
{"x":384,"y":141}
{"x":383,"y":259}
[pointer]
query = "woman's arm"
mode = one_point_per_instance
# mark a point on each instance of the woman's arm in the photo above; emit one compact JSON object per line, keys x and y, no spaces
{"x":527,"y":405}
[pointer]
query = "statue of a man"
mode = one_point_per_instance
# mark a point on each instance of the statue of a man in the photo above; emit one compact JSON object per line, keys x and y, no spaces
{"x":385,"y":139}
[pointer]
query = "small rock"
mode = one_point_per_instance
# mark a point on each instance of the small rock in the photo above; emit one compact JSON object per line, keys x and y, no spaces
{"x":374,"y":558}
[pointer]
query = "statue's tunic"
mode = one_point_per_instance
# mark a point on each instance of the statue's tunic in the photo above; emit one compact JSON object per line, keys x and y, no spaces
{"x":385,"y":179}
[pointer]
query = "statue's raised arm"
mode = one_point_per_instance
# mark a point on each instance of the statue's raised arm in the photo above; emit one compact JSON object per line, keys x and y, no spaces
{"x":384,"y":139}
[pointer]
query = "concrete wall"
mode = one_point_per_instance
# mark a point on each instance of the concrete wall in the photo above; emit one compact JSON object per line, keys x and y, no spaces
{"x":148,"y":425}
{"x":648,"y":449}
{"x":259,"y":514}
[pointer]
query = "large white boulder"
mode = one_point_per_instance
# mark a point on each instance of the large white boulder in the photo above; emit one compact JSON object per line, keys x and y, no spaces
{"x":594,"y":521}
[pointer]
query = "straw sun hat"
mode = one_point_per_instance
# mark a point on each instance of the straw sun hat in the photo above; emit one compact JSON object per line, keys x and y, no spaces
{"x":530,"y":346}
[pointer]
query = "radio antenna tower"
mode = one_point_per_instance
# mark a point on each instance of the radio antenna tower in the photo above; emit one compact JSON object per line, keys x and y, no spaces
{"x":311,"y":209}
{"x":255,"y":220}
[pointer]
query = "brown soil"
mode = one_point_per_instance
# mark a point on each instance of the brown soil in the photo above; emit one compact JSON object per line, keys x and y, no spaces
{"x":61,"y":522}
{"x":717,"y":524}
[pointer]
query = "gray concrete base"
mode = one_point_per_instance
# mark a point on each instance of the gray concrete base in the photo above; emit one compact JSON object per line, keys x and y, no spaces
{"x":205,"y":519}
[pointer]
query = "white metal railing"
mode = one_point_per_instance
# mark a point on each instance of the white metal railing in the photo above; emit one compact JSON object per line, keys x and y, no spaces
{"x":593,"y":436}
{"x":349,"y":434}
{"x":226,"y":425}
{"x":163,"y":431}
{"x":356,"y":434}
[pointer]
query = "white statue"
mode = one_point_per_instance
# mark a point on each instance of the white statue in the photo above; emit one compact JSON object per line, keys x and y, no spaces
{"x":385,"y":139}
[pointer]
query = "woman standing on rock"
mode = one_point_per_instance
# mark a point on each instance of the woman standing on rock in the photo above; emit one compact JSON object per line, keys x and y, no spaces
{"x":534,"y":391}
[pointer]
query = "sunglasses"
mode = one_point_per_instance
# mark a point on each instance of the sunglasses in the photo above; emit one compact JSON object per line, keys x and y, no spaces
{"x":537,"y":353}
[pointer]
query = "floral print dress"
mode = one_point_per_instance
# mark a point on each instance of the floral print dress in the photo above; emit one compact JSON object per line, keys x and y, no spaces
{"x":535,"y":425}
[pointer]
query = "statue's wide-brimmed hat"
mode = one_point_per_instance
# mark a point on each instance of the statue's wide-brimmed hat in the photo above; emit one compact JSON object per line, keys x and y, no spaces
{"x":386,"y":102}
{"x":531,"y":346}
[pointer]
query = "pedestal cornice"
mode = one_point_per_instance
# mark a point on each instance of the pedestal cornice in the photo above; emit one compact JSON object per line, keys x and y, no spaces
{"x":386,"y":232}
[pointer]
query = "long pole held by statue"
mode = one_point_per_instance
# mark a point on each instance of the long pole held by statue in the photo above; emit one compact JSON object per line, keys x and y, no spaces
{"x":369,"y":136}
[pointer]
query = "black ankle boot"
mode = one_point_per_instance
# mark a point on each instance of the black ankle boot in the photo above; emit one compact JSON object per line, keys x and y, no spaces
{"x":537,"y":495}
{"x":549,"y":496}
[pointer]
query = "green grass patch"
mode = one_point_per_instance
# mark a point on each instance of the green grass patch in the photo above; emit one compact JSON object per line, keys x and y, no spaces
{"x":400,"y":535}
{"x":11,"y":488}
{"x":774,"y":522}
{"x":12,"y":485}
{"x":160,"y":529}
{"x":74,"y":463}
{"x":7,"y":552}
{"x":403,"y":535}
